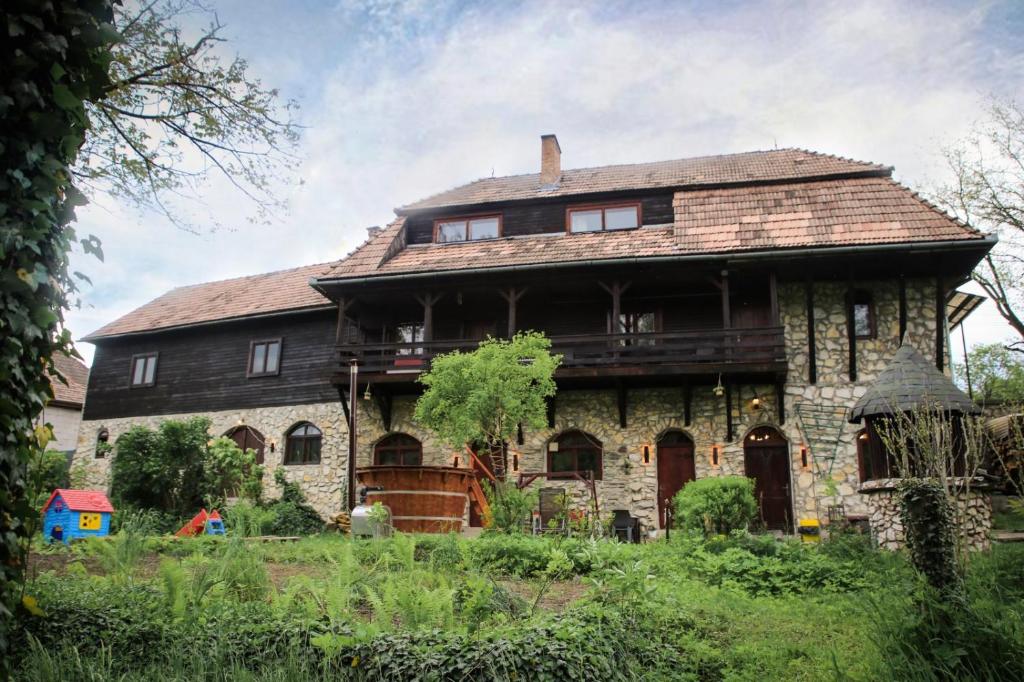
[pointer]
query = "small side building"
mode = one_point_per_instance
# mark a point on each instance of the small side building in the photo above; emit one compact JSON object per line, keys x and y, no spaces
{"x":910,"y":383}
{"x":72,"y":514}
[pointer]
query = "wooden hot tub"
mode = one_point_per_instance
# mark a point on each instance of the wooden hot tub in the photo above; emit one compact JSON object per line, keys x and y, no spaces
{"x":422,"y":499}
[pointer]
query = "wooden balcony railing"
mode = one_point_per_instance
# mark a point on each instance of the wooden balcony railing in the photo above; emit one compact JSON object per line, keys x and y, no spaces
{"x":593,"y":354}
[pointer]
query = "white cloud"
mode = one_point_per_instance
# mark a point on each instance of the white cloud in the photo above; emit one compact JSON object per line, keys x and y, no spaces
{"x":422,"y":102}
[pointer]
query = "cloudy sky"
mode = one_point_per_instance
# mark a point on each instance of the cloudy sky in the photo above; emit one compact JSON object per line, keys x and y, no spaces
{"x":401,"y":100}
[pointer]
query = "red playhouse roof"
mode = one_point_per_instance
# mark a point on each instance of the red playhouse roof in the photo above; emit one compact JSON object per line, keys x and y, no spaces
{"x":81,"y":500}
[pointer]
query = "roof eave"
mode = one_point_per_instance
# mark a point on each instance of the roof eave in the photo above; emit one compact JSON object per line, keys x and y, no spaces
{"x":95,"y":336}
{"x":980,"y":243}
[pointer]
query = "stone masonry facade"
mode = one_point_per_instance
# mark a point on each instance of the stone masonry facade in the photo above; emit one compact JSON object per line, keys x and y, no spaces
{"x":628,"y":483}
{"x":973,"y":511}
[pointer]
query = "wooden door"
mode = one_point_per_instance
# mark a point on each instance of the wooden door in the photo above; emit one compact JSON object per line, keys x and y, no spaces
{"x":676,"y":467}
{"x":248,"y":438}
{"x":766,"y":460}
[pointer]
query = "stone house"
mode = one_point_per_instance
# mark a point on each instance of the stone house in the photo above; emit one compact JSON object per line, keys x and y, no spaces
{"x":716,"y":315}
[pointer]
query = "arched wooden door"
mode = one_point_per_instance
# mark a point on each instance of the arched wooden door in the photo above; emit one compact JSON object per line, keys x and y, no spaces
{"x":676,"y":467}
{"x":766,"y":460}
{"x":248,"y":438}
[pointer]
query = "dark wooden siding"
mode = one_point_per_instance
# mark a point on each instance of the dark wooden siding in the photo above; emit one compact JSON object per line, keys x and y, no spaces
{"x":204,"y":368}
{"x":539,"y":218}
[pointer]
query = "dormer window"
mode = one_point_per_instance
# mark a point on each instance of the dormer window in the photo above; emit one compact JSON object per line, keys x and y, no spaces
{"x":469,"y":228}
{"x":607,"y":217}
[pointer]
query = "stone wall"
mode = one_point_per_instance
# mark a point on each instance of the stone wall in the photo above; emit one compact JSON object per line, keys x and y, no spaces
{"x":323,"y":483}
{"x":973,"y":515}
{"x":627,"y":483}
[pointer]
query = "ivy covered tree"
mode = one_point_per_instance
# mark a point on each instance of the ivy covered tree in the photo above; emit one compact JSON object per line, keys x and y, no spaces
{"x":55,"y":58}
{"x":484,"y":395}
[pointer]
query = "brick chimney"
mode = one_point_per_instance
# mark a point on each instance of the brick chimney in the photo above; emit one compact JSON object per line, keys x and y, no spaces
{"x":550,"y":160}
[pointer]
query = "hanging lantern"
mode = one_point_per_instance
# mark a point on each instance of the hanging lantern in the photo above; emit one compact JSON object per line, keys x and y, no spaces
{"x":719,"y":390}
{"x":805,"y":459}
{"x":715,"y":452}
{"x":645,"y":454}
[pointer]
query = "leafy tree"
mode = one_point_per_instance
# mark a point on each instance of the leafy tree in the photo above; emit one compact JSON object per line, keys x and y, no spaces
{"x":177,"y":467}
{"x":178,"y":113}
{"x":484,"y":395}
{"x":997,"y":374}
{"x":988,"y":192}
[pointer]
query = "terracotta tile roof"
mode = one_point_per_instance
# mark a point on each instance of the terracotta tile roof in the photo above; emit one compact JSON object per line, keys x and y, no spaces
{"x":842,"y":212}
{"x":830,"y":213}
{"x":225,"y":299}
{"x":748,"y":167}
{"x":550,"y":248}
{"x":77,"y":376}
{"x":81,"y":500}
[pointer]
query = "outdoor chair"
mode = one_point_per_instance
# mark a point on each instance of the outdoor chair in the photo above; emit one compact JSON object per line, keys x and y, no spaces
{"x":625,"y":527}
{"x":549,"y":508}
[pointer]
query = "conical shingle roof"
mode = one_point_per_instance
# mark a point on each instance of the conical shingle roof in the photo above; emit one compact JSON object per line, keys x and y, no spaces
{"x":910,"y":381}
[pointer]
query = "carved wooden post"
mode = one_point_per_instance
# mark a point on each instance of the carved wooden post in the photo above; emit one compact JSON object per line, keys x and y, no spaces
{"x":616,"y":289}
{"x":726,"y":312}
{"x":512,"y":295}
{"x":428,"y":301}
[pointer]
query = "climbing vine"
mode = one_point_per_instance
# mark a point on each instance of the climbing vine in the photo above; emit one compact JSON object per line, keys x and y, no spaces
{"x":931,"y":532}
{"x":55,"y":56}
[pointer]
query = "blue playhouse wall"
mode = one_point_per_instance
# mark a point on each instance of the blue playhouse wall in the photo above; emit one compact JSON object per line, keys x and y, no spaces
{"x":68,"y":521}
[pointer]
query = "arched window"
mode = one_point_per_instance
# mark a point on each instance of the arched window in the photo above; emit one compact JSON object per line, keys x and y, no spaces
{"x":398,"y":449}
{"x":575,"y":452}
{"x":863,"y":314}
{"x":102,"y":443}
{"x":303,"y":444}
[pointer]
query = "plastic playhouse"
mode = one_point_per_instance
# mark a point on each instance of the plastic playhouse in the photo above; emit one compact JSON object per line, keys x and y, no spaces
{"x":71,"y":514}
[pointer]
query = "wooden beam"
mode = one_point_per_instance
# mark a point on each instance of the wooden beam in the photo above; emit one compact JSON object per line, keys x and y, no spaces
{"x":343,"y":397}
{"x":383,"y":399}
{"x":687,"y":403}
{"x":851,"y":331}
{"x":728,"y":412}
{"x":428,"y":300}
{"x":340,"y":329}
{"x":551,"y":411}
{"x":812,"y":356}
{"x":512,"y":296}
{"x":726,"y":313}
{"x":773,"y":295}
{"x":616,"y":289}
{"x":940,"y":325}
{"x":620,"y":388}
{"x":780,"y":399}
{"x":903,"y":308}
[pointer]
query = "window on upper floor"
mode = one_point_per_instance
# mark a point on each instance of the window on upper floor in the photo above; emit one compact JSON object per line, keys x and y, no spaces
{"x":143,"y":370}
{"x":863,"y":315}
{"x":264,"y":358}
{"x":302,"y":445}
{"x":597,"y":218}
{"x":469,"y":228}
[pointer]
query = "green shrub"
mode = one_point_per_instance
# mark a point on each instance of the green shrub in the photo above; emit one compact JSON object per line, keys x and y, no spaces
{"x":511,"y":508}
{"x":293,"y":518}
{"x":716,"y":505}
{"x":46,"y":472}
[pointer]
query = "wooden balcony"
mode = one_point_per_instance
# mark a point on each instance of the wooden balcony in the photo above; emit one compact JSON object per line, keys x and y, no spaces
{"x":707,"y":351}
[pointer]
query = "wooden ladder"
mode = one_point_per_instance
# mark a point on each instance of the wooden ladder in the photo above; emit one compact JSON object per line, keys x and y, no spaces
{"x":476,"y":493}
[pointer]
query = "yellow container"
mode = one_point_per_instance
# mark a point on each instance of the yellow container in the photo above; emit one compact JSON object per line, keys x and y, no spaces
{"x":809,"y":530}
